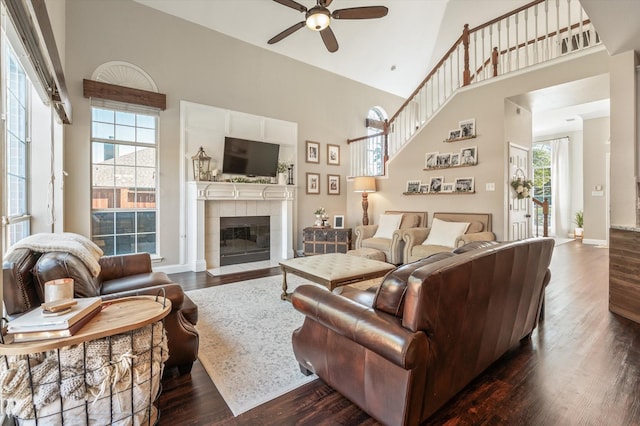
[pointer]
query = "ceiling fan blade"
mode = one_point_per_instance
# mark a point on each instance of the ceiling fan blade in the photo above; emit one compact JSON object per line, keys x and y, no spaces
{"x":366,"y":12}
{"x":329,"y":39}
{"x":325,"y":3}
{"x":292,"y":29}
{"x":292,"y":4}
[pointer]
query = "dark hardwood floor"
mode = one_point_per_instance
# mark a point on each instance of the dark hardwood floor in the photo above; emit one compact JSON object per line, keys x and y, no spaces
{"x":581,"y":367}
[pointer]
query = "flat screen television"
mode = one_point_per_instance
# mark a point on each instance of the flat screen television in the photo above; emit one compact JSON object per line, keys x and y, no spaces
{"x":250,"y":158}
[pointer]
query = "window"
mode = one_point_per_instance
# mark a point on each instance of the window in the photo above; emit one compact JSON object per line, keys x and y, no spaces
{"x":124,"y":180}
{"x":375,"y":146}
{"x":542,"y":182}
{"x":17,"y":89}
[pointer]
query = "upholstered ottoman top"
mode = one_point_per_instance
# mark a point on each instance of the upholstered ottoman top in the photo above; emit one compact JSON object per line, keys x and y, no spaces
{"x":333,"y":270}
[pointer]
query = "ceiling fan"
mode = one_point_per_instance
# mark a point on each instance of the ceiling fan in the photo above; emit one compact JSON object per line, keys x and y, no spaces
{"x":319,"y":17}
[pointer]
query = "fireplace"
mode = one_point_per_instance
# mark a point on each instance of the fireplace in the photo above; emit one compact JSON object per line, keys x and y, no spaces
{"x":208,"y":202}
{"x":244,"y":239}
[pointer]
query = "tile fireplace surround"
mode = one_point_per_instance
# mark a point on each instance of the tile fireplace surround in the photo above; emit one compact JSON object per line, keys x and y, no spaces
{"x":208,"y":201}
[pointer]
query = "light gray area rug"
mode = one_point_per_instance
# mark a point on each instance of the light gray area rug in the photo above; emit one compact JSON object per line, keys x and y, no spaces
{"x":245,"y":340}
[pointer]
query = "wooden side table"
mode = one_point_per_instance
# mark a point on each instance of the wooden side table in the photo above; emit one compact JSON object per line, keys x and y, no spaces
{"x":326,"y":240}
{"x":108,"y":372}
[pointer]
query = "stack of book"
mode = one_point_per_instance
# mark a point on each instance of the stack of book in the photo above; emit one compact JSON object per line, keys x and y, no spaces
{"x":52,"y":321}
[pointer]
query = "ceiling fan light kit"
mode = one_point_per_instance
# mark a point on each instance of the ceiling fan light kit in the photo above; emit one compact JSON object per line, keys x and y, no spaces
{"x":318,"y":18}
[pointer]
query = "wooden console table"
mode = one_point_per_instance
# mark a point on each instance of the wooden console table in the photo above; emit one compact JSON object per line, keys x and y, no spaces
{"x":326,"y":240}
{"x":112,"y":368}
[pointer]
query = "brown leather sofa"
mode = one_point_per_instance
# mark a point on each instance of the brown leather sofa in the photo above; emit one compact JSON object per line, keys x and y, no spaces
{"x":430,"y":329}
{"x":26,"y":271}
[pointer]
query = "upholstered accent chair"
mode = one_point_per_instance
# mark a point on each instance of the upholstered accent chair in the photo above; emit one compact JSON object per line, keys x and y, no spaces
{"x":386,"y":236}
{"x":447,"y":232}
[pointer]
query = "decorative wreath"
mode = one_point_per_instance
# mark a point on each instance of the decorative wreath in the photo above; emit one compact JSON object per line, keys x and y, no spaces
{"x":521,"y":185}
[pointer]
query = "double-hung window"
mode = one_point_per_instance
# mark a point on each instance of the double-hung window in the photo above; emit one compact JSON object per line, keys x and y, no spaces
{"x":124,"y":179}
{"x":17,"y":107}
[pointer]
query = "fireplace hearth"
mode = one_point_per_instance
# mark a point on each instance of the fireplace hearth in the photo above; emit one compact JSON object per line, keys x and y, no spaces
{"x":244,"y":239}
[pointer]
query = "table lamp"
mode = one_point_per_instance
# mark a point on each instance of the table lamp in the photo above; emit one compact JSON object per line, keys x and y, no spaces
{"x":364,"y":184}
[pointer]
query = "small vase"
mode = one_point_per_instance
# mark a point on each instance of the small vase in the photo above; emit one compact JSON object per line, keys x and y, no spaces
{"x":318,"y":221}
{"x":282,"y":178}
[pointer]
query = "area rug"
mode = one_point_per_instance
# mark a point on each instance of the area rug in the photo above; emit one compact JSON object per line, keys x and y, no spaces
{"x":245,"y":340}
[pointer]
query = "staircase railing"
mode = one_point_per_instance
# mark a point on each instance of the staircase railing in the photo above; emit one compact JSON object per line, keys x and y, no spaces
{"x":545,"y":216}
{"x":532,"y":34}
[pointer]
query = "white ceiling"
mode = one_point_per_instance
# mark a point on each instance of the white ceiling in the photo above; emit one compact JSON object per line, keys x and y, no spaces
{"x":412,"y":37}
{"x":396,"y":52}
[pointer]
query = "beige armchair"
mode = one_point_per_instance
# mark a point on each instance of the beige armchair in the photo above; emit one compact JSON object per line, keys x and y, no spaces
{"x":479,"y":230}
{"x":393,"y":247}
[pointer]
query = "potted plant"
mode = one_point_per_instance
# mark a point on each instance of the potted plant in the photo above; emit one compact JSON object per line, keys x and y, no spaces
{"x":579,"y":221}
{"x":282,"y":173}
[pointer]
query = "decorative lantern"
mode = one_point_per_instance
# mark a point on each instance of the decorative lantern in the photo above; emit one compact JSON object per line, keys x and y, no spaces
{"x":201,"y":163}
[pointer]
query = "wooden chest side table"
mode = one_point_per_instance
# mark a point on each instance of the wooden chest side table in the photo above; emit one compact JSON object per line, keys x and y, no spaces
{"x":326,"y":240}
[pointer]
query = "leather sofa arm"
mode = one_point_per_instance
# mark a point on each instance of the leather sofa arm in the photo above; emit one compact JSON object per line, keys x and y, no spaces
{"x":374,"y":330}
{"x":113,"y":267}
{"x":412,"y":237}
{"x":363,"y":232}
{"x":476,"y":236}
{"x":173,"y":293}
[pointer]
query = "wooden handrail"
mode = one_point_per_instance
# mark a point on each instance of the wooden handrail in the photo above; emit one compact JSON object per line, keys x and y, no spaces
{"x":426,"y":79}
{"x":506,"y":15}
{"x":495,"y":54}
{"x":545,"y":215}
{"x":361,"y":138}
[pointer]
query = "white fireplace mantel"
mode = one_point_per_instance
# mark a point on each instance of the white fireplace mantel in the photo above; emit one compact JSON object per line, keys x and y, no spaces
{"x":235,"y":199}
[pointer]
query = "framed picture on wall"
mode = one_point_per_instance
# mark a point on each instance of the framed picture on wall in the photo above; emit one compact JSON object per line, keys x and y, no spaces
{"x":333,"y":154}
{"x":313,"y":183}
{"x":469,"y":155}
{"x":468,"y":128}
{"x":413,"y":186}
{"x":333,"y":184}
{"x":338,"y":221}
{"x":464,"y":185}
{"x":436,"y":184}
{"x":313,"y":152}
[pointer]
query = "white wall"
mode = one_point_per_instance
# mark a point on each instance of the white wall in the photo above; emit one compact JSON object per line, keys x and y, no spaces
{"x":596,"y":147}
{"x":486,"y":103}
{"x":189,"y":62}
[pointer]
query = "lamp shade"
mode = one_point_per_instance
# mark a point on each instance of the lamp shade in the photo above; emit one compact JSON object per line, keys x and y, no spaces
{"x":364,"y":184}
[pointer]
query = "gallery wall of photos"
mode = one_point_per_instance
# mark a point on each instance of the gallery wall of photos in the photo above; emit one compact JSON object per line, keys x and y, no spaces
{"x":314,"y":180}
{"x":466,"y":156}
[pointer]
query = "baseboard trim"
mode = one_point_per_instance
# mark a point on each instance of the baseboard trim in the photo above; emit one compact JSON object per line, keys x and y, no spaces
{"x":594,"y":242}
{"x":172,"y":269}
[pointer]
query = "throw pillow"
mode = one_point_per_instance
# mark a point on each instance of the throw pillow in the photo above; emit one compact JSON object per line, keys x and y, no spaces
{"x":387,"y":224}
{"x":445,"y":233}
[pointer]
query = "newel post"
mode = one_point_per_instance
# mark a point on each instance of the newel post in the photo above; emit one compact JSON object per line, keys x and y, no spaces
{"x":466,"y":75}
{"x":494,"y":61}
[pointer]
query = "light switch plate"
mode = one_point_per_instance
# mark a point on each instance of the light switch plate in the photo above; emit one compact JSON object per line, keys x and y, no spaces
{"x":490,"y":186}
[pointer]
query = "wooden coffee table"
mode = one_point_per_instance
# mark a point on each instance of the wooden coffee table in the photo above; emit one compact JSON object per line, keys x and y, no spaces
{"x":332,"y":270}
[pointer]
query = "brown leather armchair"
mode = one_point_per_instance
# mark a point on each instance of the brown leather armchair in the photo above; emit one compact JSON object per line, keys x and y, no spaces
{"x":26,"y":271}
{"x":430,"y":329}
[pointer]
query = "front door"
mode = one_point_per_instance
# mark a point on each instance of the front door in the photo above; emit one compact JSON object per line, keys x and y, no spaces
{"x":519,"y":210}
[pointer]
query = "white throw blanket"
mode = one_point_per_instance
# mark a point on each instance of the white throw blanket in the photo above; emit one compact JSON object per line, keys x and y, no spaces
{"x":81,"y":247}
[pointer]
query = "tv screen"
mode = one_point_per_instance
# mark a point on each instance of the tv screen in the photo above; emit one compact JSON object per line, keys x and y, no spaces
{"x":250,"y":158}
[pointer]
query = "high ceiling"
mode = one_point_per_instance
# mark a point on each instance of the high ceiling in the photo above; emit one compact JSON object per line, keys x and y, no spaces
{"x":396,"y":52}
{"x":393,"y":53}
